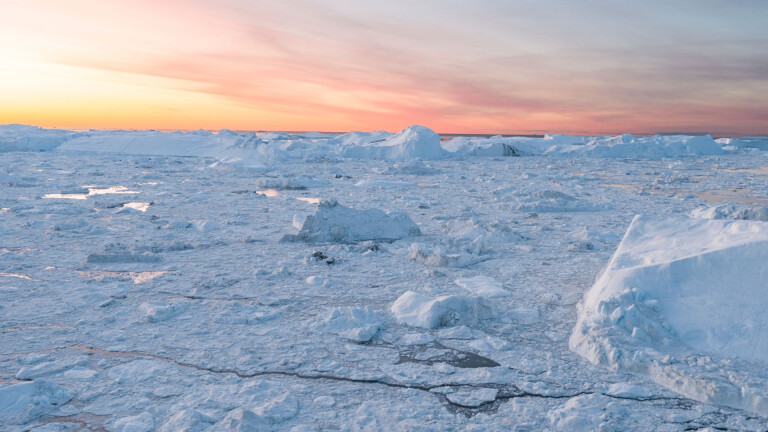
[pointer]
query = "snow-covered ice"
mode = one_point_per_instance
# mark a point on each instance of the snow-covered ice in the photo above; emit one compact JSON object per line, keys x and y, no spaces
{"x":146,"y":282}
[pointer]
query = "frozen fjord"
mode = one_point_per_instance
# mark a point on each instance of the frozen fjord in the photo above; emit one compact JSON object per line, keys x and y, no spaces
{"x":159,"y":282}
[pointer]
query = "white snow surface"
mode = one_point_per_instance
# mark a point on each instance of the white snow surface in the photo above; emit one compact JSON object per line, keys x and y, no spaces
{"x":144,"y":284}
{"x":679,"y":292}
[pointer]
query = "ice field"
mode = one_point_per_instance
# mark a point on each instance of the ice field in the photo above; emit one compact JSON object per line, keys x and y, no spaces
{"x":203,"y":281}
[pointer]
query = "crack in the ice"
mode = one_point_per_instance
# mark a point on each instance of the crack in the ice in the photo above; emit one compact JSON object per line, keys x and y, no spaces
{"x":506,"y":393}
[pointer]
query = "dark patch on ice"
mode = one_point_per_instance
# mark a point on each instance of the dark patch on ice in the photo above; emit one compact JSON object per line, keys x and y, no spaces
{"x":122,"y":258}
{"x":320,"y":256}
{"x":443,"y":354}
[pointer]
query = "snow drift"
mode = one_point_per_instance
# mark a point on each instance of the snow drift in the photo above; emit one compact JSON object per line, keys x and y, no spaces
{"x":684,"y":301}
{"x":334,"y":223}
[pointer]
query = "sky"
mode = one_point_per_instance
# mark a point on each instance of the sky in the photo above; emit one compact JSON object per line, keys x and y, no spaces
{"x":482,"y":66}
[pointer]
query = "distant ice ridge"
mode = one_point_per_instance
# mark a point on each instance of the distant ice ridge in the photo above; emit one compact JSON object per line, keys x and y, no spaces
{"x":654,"y":147}
{"x":31,"y":138}
{"x":413,"y":142}
{"x":334,"y":223}
{"x":745,"y":142}
{"x":684,"y":301}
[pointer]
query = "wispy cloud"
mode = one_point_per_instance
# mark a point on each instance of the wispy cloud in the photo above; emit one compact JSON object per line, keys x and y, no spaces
{"x":491,"y":65}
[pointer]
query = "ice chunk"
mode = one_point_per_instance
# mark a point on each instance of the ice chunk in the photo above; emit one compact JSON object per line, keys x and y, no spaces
{"x":161,"y":310}
{"x":483,"y":286}
{"x":335,"y":223}
{"x":22,"y":402}
{"x":580,"y":413}
{"x":418,"y":310}
{"x":143,"y":422}
{"x":684,"y":301}
{"x":243,"y":420}
{"x":357,"y":324}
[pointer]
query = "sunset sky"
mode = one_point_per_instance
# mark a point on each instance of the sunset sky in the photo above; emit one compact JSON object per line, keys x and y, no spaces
{"x":483,"y":66}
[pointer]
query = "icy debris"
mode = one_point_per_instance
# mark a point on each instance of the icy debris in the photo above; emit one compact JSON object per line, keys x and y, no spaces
{"x":143,"y":422}
{"x":38,"y":370}
{"x":412,"y":339}
{"x":243,"y":420}
{"x":334,"y":223}
{"x":136,"y":371}
{"x":237,"y":312}
{"x":580,"y":413}
{"x":412,"y":167}
{"x":162,"y":310}
{"x":289,"y":183}
{"x":483,"y":286}
{"x":255,"y":405}
{"x":12,"y":180}
{"x":187,"y":420}
{"x":25,"y":401}
{"x":525,"y":315}
{"x":418,"y":310}
{"x":204,"y":226}
{"x":413,"y":142}
{"x":70,"y":225}
{"x":727,"y":211}
{"x":628,"y":146}
{"x":547,"y":200}
{"x":453,"y":254}
{"x":683,"y":301}
{"x":357,"y":324}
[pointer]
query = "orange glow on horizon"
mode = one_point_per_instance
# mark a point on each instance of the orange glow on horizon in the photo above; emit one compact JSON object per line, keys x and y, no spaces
{"x":345,"y":66}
